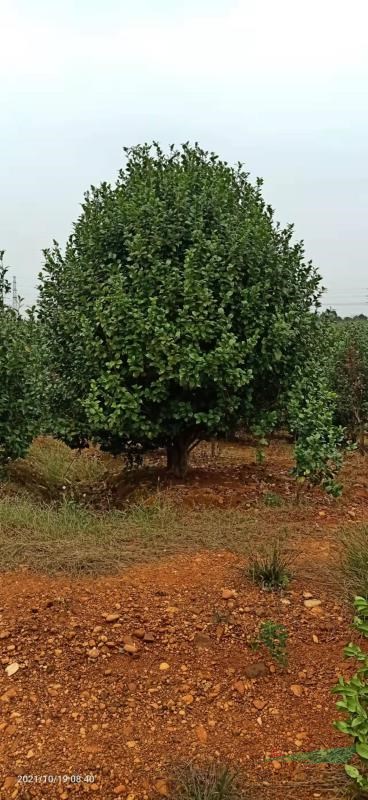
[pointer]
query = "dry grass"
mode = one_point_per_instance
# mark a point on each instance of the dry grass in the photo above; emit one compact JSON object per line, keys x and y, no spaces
{"x":211,"y":782}
{"x":273,"y":500}
{"x":69,"y":538}
{"x":76,"y":529}
{"x":51,"y":469}
{"x":354,"y":561}
{"x":73,"y":539}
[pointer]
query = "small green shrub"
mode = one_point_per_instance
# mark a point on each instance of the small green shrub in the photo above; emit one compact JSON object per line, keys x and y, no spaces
{"x":273,"y":500}
{"x":354,"y":702}
{"x":319,"y":442}
{"x":354,"y":699}
{"x":273,"y":636}
{"x":210,"y":782}
{"x":270,"y":568}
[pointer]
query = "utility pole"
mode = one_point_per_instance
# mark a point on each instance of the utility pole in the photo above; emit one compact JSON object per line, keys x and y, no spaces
{"x":15,"y":294}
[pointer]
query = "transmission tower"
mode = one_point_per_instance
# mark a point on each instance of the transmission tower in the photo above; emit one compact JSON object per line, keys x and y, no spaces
{"x":15,"y":294}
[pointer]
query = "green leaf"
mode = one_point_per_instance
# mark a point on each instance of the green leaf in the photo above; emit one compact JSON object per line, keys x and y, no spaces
{"x":353,"y":772}
{"x":362,"y":749}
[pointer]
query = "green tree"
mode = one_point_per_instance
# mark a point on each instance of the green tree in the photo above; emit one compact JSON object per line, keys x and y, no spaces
{"x":20,"y":382}
{"x":311,"y":412}
{"x":349,"y":377}
{"x":318,"y":440}
{"x":179,"y":308}
{"x":4,"y":283}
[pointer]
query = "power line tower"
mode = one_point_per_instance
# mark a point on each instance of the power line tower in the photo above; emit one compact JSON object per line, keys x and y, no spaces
{"x":15,"y":294}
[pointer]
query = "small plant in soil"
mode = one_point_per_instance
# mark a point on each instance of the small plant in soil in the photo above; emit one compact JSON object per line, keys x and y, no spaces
{"x":273,"y":636}
{"x":354,"y":702}
{"x":354,"y":699}
{"x":210,"y":782}
{"x":260,"y":456}
{"x":221,"y":617}
{"x":273,"y":499}
{"x":270,"y":568}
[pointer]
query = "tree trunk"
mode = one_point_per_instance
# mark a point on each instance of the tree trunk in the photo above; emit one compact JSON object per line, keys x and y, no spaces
{"x":177,"y":457}
{"x":361,"y":438}
{"x":215,"y":448}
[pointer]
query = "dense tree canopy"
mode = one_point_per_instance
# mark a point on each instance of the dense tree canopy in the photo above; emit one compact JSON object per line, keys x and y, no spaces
{"x":179,"y":308}
{"x":348,"y":372}
{"x":20,"y":377}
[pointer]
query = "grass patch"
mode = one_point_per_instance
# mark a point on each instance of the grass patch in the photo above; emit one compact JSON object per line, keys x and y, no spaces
{"x":274,"y":637}
{"x":70,"y":538}
{"x":52,"y":469}
{"x":73,"y":539}
{"x":354,"y":562}
{"x":206,"y":783}
{"x":270,"y":567}
{"x":273,"y":500}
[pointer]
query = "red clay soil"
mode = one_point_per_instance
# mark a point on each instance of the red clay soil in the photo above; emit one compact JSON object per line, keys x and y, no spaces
{"x":81,"y":705}
{"x":234,"y":479}
{"x":123,"y":678}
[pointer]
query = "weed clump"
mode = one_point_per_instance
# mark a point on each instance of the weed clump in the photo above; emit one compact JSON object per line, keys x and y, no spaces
{"x":354,"y":565}
{"x":273,"y":636}
{"x":273,"y":500}
{"x":211,"y":782}
{"x":270,"y":569}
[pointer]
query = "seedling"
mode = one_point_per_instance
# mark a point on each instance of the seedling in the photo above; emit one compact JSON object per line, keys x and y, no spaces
{"x":274,"y":637}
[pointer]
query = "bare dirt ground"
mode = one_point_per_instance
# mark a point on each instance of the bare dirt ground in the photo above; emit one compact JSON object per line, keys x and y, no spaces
{"x":123,"y":677}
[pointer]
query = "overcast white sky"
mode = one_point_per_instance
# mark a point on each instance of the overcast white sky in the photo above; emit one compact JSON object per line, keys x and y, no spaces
{"x":281,"y":86}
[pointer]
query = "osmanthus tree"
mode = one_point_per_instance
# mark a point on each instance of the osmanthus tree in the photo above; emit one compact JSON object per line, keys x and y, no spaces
{"x":20,"y":377}
{"x":310,"y":412}
{"x":179,"y":308}
{"x":349,"y":377}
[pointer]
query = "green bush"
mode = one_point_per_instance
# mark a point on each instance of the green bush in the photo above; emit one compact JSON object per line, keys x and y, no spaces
{"x":311,"y":417}
{"x":180,"y":308}
{"x":354,"y":699}
{"x":349,"y":377}
{"x":20,"y":378}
